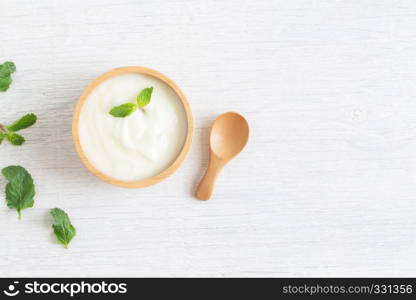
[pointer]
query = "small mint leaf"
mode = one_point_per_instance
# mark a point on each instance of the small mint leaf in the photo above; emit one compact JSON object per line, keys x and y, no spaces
{"x":20,"y":190}
{"x":62,"y":227}
{"x":6,"y":69}
{"x":123,"y":110}
{"x":5,"y":82}
{"x":15,"y":139}
{"x":143,"y":98}
{"x":24,"y":122}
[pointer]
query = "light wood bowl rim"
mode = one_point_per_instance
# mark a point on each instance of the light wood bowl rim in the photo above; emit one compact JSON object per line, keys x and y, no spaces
{"x":139,"y":183}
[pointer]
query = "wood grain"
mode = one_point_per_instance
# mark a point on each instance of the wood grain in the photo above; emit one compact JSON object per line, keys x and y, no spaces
{"x":325,"y":187}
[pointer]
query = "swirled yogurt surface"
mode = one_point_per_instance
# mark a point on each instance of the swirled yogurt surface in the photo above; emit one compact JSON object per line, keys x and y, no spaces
{"x":138,"y":146}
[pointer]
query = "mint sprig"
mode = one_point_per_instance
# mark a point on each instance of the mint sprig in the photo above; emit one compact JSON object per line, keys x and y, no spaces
{"x":126,"y":109}
{"x":20,"y":190}
{"x":9,"y":132}
{"x":6,"y":70}
{"x":62,"y":227}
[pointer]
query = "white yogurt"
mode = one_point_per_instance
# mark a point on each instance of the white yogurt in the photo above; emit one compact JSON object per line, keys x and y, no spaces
{"x":138,"y":146}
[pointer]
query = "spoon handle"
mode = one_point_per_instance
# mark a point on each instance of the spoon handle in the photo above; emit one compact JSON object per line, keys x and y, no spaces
{"x":206,"y":186}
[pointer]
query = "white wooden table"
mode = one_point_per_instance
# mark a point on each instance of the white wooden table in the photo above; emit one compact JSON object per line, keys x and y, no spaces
{"x":326,"y":186}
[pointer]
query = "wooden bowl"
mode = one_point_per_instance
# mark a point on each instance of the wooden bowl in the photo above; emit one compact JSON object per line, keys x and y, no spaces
{"x":144,"y":182}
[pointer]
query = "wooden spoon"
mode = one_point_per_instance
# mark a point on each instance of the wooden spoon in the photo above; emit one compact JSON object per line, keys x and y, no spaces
{"x":229,"y":135}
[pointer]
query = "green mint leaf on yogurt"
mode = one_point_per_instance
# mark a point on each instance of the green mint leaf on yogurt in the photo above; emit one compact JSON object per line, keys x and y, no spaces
{"x":123,"y":110}
{"x":15,"y":139}
{"x":9,"y":131}
{"x":126,"y":109}
{"x":143,"y":98}
{"x":20,"y":190}
{"x":23,"y":123}
{"x":6,"y":70}
{"x":62,"y":227}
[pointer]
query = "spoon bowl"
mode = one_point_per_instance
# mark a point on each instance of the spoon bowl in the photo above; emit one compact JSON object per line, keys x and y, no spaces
{"x":229,"y":136}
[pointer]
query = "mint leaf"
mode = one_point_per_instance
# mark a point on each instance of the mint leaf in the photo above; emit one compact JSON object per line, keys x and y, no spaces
{"x":143,"y":98}
{"x":2,"y":136}
{"x":20,"y":190}
{"x":15,"y":139}
{"x":62,"y":227}
{"x":24,"y":122}
{"x":6,"y":69}
{"x":123,"y":110}
{"x":5,"y":83}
